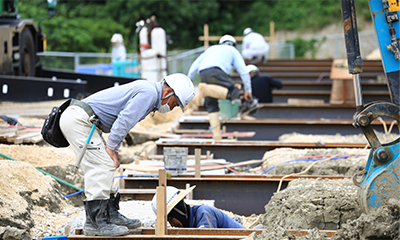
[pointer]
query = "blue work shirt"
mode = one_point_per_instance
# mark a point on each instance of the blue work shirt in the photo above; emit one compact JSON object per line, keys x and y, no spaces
{"x":120,"y":108}
{"x":225,"y":57}
{"x":203,"y":216}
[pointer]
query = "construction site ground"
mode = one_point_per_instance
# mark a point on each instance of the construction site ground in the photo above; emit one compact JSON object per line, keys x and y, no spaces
{"x":32,"y":205}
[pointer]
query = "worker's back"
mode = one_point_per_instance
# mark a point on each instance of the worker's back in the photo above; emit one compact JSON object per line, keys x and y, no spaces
{"x":221,"y":56}
{"x":254,"y":40}
{"x":210,"y":217}
{"x":262,"y":87}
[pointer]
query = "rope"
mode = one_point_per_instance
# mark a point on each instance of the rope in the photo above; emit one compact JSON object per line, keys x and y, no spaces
{"x":383,"y":124}
{"x":392,"y":125}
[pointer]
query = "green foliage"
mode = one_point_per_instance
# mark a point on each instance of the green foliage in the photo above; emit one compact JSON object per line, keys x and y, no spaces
{"x":303,"y":46}
{"x":87,"y":26}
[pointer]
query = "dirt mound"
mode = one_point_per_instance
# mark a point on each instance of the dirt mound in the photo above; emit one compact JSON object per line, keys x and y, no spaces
{"x":39,"y":156}
{"x":382,"y":223}
{"x":337,"y":138}
{"x":330,"y":161}
{"x":308,"y":204}
{"x":31,"y":203}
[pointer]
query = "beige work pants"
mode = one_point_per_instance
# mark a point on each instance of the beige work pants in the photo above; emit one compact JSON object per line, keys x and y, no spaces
{"x":97,"y":165}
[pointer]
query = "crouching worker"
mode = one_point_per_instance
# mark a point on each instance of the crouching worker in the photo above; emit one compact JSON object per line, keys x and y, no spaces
{"x":180,"y":214}
{"x":116,"y":110}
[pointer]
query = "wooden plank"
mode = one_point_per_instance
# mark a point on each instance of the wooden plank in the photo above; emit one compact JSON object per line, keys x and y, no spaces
{"x":189,"y":169}
{"x":161,"y":157}
{"x":25,"y":137}
{"x":339,"y":70}
{"x":163,"y":135}
{"x":137,"y":191}
{"x":36,"y":139}
{"x":191,"y":131}
{"x":224,"y":135}
{"x":162,"y":177}
{"x":197,"y":233}
{"x":7,"y":129}
{"x":197,"y":153}
{"x":4,"y":136}
{"x":295,"y":101}
{"x":161,"y":211}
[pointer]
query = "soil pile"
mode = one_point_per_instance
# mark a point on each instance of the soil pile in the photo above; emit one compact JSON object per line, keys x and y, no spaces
{"x":307,"y":204}
{"x":382,"y":223}
{"x":330,"y":161}
{"x":31,"y":203}
{"x":337,"y":138}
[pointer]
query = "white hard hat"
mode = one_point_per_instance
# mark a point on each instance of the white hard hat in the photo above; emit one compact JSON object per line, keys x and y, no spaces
{"x":183,"y":88}
{"x":174,"y":196}
{"x":227,"y":38}
{"x":247,"y":31}
{"x":117,"y":38}
{"x":251,"y":68}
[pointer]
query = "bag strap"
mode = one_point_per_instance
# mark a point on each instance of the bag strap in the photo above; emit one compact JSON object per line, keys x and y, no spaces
{"x":84,"y":106}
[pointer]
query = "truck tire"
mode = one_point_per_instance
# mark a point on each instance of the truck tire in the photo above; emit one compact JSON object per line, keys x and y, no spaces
{"x":27,"y":54}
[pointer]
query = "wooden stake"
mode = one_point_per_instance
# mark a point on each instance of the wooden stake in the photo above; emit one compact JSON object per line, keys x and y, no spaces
{"x":161,"y":211}
{"x":162,"y":177}
{"x":206,"y":45}
{"x":207,"y":38}
{"x":197,"y":166}
{"x":121,"y":180}
{"x":162,"y":203}
{"x":272,"y":39}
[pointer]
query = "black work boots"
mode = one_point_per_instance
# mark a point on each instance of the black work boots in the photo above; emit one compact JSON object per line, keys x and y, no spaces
{"x":98,"y":220}
{"x":119,"y":219}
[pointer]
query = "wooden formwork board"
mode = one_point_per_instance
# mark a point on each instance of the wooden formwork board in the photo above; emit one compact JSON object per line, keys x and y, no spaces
{"x":195,"y":233}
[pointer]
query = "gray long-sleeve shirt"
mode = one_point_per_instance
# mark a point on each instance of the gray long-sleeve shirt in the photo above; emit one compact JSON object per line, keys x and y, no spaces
{"x":120,"y":108}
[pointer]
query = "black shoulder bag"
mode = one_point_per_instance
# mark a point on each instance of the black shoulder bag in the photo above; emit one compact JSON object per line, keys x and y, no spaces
{"x":51,"y":131}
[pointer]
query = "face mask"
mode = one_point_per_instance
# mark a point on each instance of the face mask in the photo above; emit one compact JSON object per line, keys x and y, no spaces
{"x":165,"y":108}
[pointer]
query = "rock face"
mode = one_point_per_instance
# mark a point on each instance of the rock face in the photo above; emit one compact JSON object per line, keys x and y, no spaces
{"x":26,"y":191}
{"x":308,"y":204}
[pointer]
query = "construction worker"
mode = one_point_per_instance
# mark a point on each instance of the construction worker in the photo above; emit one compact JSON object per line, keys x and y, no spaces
{"x":118,"y":52}
{"x":180,"y":214}
{"x":262,"y":86}
{"x":254,"y":47}
{"x":115,"y":110}
{"x":214,"y":67}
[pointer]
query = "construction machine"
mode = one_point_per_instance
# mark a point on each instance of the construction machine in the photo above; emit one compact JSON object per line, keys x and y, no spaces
{"x":22,"y":76}
{"x":379,"y":182}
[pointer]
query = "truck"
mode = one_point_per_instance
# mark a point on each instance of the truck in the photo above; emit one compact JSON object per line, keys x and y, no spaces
{"x":23,"y":78}
{"x":379,"y":181}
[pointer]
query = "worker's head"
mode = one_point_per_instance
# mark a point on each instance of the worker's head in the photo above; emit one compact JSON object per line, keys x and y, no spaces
{"x":252,"y":70}
{"x":177,"y":210}
{"x":247,"y":31}
{"x":117,"y":39}
{"x":178,"y":90}
{"x":228,"y":39}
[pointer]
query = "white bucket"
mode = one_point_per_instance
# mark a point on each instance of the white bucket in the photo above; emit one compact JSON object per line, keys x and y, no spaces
{"x":175,"y":160}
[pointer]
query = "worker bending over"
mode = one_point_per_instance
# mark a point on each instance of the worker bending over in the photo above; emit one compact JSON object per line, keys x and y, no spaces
{"x":116,"y":110}
{"x":262,"y":86}
{"x":214,"y":67}
{"x":181,"y":214}
{"x":254,"y":47}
